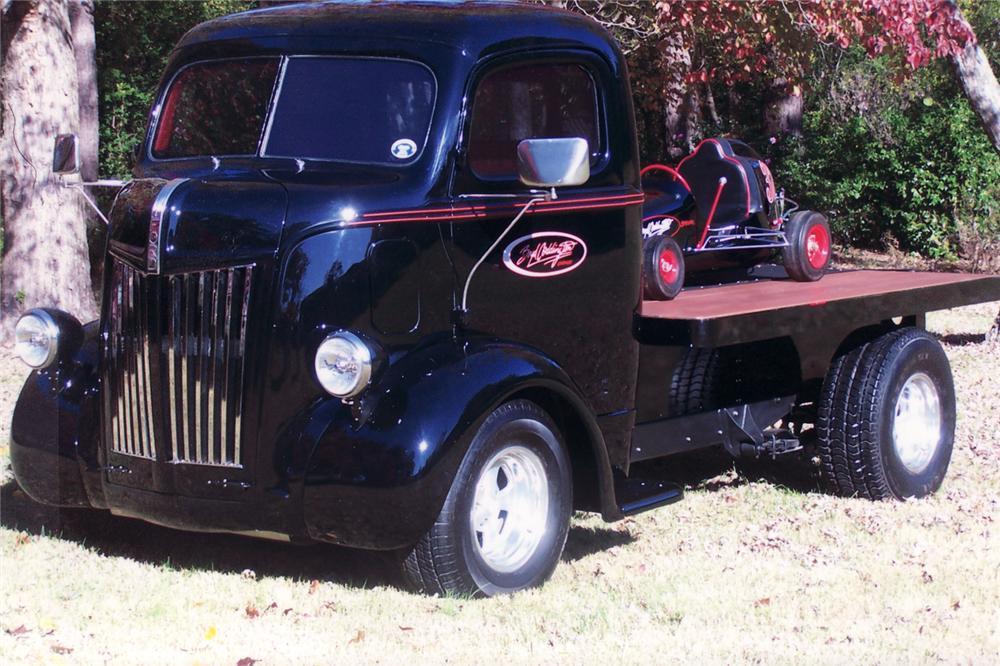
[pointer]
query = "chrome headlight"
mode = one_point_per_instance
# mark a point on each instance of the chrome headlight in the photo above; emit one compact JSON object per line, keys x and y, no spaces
{"x":344,"y":364}
{"x":36,"y":339}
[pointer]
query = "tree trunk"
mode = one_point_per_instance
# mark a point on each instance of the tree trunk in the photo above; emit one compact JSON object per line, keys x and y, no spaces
{"x":713,"y":111}
{"x":692,"y":118}
{"x":45,"y":248}
{"x":994,"y":333}
{"x":783,"y":109}
{"x":81,"y":15}
{"x":675,"y":63}
{"x":980,"y":86}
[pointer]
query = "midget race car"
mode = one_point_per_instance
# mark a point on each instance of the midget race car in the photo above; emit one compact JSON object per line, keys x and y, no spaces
{"x":719,"y":209}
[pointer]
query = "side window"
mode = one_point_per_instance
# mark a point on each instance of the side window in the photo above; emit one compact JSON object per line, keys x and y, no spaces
{"x":540,"y":100}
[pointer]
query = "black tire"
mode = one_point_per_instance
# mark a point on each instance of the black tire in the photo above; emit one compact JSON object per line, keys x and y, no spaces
{"x":809,"y":246}
{"x":662,"y":268}
{"x":696,"y":384}
{"x":858,"y":415}
{"x":451,"y":558}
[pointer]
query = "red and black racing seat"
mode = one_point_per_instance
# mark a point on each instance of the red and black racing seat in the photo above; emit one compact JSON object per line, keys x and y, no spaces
{"x":729,"y":181}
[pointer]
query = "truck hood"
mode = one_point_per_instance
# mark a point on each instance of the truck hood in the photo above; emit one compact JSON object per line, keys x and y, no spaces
{"x":192,"y":224}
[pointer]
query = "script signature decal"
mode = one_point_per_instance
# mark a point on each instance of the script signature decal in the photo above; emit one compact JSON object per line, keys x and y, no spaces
{"x":545,"y":254}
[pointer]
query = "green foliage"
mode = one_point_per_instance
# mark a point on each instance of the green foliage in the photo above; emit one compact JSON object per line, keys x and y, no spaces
{"x":134,"y":40}
{"x":894,"y":162}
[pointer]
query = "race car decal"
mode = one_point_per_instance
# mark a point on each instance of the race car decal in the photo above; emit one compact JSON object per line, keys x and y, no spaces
{"x":545,"y":254}
{"x":658,"y":226}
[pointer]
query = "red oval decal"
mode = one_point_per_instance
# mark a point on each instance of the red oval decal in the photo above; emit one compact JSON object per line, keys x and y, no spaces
{"x":545,"y":254}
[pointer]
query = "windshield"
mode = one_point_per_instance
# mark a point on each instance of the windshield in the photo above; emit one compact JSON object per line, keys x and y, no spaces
{"x":343,"y":109}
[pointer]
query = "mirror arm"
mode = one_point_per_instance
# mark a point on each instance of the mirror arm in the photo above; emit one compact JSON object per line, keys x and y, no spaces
{"x":462,"y":314}
{"x":105,"y":183}
{"x":90,"y":200}
{"x":549,"y":195}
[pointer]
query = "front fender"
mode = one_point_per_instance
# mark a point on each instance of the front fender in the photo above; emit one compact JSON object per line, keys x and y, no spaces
{"x":54,"y":430}
{"x":378,"y":472}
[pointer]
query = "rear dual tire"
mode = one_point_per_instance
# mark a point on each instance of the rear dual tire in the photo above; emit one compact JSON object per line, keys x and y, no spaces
{"x":504,"y":522}
{"x":886,"y":423}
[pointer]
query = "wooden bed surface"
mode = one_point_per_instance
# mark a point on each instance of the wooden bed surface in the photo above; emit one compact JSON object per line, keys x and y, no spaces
{"x":752,"y":297}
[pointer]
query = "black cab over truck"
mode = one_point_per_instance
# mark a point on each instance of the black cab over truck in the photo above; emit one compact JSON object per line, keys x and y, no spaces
{"x":377,"y":282}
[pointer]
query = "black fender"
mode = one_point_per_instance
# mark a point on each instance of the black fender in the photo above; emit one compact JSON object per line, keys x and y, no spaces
{"x":55,"y":429}
{"x":378,"y":470}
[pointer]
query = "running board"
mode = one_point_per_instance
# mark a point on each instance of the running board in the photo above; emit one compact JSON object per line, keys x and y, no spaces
{"x":638,"y":495}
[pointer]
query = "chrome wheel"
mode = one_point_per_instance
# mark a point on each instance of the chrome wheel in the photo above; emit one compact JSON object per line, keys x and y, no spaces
{"x":510,"y":508}
{"x":916,"y":424}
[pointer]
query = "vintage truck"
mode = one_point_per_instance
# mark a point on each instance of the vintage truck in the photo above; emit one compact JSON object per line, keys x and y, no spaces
{"x":376,"y":282}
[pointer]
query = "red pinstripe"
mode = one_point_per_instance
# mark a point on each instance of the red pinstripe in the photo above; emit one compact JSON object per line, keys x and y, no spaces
{"x":471,"y":212}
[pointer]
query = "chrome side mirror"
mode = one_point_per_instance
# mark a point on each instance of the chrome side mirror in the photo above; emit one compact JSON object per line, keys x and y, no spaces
{"x":65,"y":155}
{"x":553,"y":162}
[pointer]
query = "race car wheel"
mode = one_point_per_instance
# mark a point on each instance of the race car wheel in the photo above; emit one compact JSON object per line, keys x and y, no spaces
{"x":886,"y":422}
{"x":503,"y":525}
{"x":662,"y":268}
{"x":809,"y":246}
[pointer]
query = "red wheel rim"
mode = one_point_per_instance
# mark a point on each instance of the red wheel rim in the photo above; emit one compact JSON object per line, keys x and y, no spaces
{"x":669,"y":266}
{"x":817,"y":246}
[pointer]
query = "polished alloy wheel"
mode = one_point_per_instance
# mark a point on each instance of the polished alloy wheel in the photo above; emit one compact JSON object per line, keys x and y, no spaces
{"x":916,"y":425}
{"x":510,"y":507}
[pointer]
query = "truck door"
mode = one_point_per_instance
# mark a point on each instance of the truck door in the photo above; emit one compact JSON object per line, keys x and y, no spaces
{"x":565,"y":280}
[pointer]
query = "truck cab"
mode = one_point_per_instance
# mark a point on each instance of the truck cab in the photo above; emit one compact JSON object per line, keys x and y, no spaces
{"x":376,"y":282}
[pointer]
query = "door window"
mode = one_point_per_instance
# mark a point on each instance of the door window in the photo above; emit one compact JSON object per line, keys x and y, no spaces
{"x":539,"y":100}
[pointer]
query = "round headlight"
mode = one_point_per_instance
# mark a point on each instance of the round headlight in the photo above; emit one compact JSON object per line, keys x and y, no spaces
{"x":36,"y":339}
{"x":344,"y":364}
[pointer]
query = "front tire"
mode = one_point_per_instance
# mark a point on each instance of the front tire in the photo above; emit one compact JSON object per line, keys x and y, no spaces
{"x":887,"y":418}
{"x":504,"y":522}
{"x":809,"y":246}
{"x":662,"y":268}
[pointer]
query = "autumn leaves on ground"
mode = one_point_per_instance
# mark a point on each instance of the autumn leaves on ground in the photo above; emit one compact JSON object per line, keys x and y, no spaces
{"x":754,"y":566}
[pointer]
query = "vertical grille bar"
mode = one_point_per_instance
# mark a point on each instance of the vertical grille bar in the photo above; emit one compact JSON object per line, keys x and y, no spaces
{"x":241,"y":351}
{"x":147,"y":445}
{"x":228,"y":453}
{"x":130,"y":388}
{"x":117,"y":432}
{"x":173,"y":354}
{"x":210,"y":306}
{"x":197,"y":323}
{"x":200,"y":399}
{"x":186,"y":341}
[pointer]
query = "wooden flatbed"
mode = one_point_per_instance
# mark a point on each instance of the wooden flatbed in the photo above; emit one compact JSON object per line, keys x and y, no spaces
{"x":764,"y":309}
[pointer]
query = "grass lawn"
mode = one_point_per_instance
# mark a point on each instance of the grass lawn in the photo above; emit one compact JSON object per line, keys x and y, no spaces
{"x":754,"y":566}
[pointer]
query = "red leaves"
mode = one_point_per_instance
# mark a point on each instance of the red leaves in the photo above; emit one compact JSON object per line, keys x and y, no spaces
{"x":775,"y":36}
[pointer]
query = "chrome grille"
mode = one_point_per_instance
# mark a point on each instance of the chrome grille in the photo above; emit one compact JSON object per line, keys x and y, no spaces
{"x":175,"y":364}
